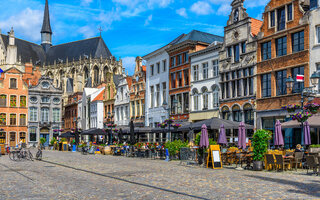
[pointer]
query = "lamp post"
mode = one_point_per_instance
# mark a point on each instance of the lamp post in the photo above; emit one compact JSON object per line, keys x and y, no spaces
{"x":308,"y":92}
{"x":75,"y":119}
{"x":169,"y":109}
{"x":110,"y":117}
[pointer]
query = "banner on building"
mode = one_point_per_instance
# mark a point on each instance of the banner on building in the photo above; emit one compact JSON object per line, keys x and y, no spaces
{"x":300,"y":78}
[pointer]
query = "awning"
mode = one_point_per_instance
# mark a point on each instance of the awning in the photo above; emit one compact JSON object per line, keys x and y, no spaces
{"x":314,"y":122}
{"x":67,"y":135}
{"x":94,"y":131}
{"x":214,"y":123}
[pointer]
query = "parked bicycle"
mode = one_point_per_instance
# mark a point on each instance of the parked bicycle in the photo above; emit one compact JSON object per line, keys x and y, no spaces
{"x":39,"y":154}
{"x":20,"y":154}
{"x":85,"y":150}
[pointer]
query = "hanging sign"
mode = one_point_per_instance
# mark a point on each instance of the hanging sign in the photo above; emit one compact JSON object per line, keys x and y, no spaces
{"x":300,"y":78}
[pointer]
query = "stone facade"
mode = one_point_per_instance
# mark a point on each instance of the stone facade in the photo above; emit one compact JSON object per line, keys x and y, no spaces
{"x":204,"y":98}
{"x":238,"y":65}
{"x":44,"y":111}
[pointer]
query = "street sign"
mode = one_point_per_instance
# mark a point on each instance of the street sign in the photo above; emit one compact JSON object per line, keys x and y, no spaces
{"x":300,"y":78}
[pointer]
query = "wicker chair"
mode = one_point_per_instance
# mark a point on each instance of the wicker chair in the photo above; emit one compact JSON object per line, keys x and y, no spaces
{"x":311,"y":163}
{"x":297,"y":159}
{"x":281,"y":163}
{"x":270,"y":160}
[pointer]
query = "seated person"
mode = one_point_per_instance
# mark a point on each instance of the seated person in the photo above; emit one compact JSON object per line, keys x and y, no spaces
{"x":298,"y":148}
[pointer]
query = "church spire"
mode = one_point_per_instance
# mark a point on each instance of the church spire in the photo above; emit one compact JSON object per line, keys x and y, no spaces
{"x":46,"y":31}
{"x":46,"y":28}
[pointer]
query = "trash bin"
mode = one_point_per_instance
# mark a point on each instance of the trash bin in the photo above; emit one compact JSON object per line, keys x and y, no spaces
{"x":167,"y":155}
{"x":74,"y":148}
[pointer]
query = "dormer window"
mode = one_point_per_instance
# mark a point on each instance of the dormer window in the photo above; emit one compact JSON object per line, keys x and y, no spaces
{"x":272,"y":19}
{"x":281,"y":18}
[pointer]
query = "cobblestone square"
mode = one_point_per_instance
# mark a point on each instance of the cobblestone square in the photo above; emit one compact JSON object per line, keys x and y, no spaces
{"x":67,"y":175}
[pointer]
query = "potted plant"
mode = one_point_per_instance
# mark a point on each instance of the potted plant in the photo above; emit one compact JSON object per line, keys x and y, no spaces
{"x":291,"y":108}
{"x":42,"y":141}
{"x":301,"y":116}
{"x":312,"y":107}
{"x":53,"y":140}
{"x":314,"y":148}
{"x":260,"y":146}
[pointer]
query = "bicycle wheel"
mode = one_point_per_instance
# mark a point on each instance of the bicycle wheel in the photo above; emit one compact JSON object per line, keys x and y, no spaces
{"x":30,"y":156}
{"x":11,"y":155}
{"x":39,"y":155}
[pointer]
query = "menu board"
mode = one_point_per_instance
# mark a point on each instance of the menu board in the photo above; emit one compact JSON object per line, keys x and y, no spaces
{"x":214,"y":158}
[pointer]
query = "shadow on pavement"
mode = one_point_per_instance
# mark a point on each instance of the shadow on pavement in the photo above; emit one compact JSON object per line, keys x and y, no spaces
{"x":124,"y":180}
{"x":302,"y":188}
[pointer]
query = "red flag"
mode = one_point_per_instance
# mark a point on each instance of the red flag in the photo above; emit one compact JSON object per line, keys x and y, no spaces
{"x":300,"y":78}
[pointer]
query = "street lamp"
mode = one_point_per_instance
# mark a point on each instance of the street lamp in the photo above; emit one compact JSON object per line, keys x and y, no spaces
{"x":110,"y":117}
{"x":169,"y":109}
{"x":315,"y":78}
{"x":289,"y":82}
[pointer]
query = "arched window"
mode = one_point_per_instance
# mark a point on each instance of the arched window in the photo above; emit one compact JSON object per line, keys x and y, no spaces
{"x":50,"y":75}
{"x":44,"y":114}
{"x":106,"y":74}
{"x":195,"y":94}
{"x":96,"y":74}
{"x":248,"y":114}
{"x":236,"y":113}
{"x":205,"y":98}
{"x":225,"y":113}
{"x":215,"y":96}
{"x":86,"y":74}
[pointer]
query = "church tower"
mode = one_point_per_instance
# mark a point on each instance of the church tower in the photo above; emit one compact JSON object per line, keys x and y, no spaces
{"x":46,"y":32}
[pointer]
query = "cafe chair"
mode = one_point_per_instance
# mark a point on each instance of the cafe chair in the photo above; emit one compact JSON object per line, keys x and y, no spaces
{"x":270,"y":161}
{"x":311,"y":163}
{"x":281,"y":162}
{"x":298,"y":156}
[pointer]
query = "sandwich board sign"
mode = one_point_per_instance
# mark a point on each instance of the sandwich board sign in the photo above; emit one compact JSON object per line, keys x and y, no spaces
{"x":214,"y":157}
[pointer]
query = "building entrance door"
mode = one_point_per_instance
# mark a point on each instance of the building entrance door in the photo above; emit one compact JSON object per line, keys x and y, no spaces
{"x":46,"y":136}
{"x":12,"y":141}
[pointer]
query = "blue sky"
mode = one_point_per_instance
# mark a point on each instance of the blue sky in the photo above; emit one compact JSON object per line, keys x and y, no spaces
{"x":130,"y":27}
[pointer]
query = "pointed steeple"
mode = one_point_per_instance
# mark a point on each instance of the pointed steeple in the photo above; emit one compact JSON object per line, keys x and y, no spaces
{"x":46,"y":28}
{"x":46,"y":32}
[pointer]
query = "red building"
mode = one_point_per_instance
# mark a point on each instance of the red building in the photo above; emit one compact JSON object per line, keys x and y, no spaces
{"x":71,"y":111}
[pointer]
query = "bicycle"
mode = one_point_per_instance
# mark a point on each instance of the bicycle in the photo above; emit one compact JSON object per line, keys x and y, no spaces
{"x":39,"y":154}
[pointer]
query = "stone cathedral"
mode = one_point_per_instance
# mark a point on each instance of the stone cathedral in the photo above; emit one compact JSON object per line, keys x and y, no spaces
{"x":72,"y":66}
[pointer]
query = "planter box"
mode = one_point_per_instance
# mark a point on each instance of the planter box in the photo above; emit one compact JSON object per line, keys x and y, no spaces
{"x":314,"y":150}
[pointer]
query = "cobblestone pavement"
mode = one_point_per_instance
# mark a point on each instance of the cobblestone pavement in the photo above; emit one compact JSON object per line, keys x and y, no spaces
{"x":67,"y":175}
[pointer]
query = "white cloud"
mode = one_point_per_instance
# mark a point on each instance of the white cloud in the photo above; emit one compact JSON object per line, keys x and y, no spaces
{"x":148,"y":20}
{"x":129,"y":64}
{"x":28,"y":22}
{"x":86,"y":2}
{"x":88,"y":31}
{"x":201,"y":8}
{"x":224,"y":9}
{"x":182,"y":12}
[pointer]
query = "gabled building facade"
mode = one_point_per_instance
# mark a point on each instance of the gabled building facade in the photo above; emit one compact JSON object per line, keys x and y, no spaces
{"x":238,"y":65}
{"x":204,"y":97}
{"x":179,"y":70}
{"x":283,"y":51}
{"x":14,"y":83}
{"x":137,"y":94}
{"x":71,"y":111}
{"x":122,"y":102}
{"x":44,"y":111}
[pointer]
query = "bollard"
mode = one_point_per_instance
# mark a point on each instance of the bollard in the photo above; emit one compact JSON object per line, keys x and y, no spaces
{"x":167,"y":156}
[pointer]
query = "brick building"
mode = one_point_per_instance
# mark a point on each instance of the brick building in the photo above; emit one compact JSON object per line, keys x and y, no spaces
{"x":283,"y":51}
{"x":238,"y":66}
{"x":71,"y":111}
{"x":14,"y":83}
{"x":179,"y":70}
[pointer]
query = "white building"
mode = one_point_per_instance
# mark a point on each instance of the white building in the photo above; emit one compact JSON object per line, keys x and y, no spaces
{"x":122,"y":102}
{"x":314,"y":20}
{"x":157,"y":86}
{"x":204,"y":96}
{"x":92,"y":108}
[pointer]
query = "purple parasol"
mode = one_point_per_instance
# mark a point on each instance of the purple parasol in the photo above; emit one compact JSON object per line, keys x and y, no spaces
{"x":204,"y":139}
{"x":222,"y":136}
{"x":242,"y":136}
{"x":306,"y":131}
{"x":278,"y":137}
